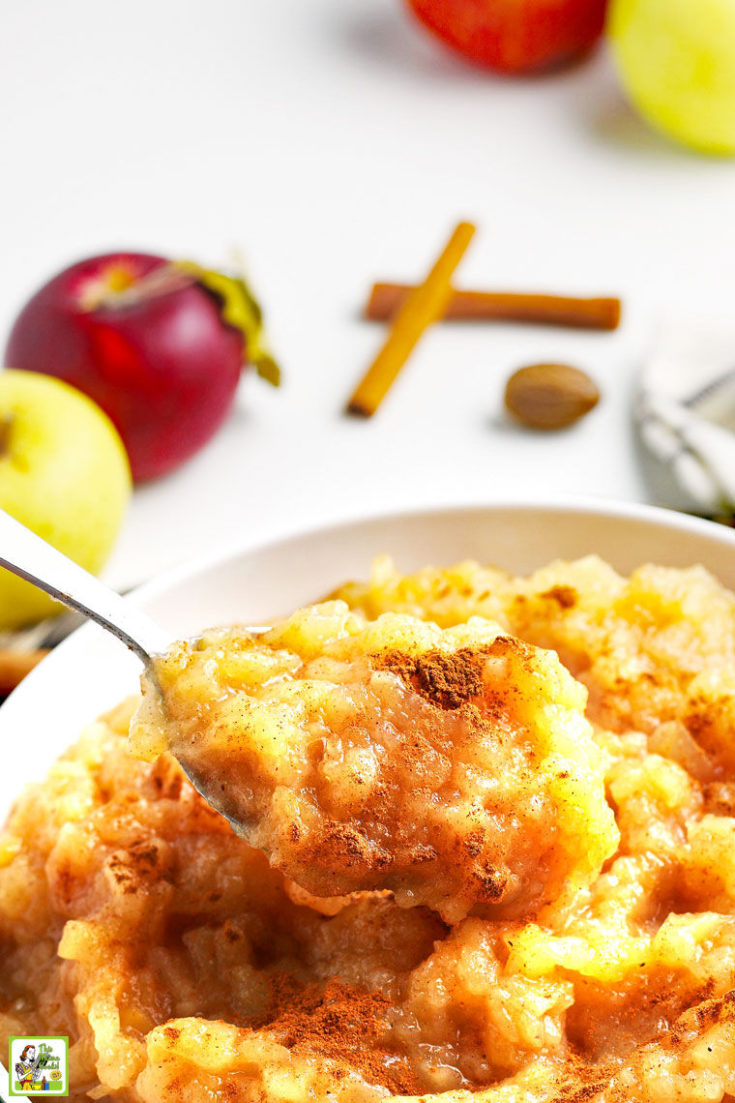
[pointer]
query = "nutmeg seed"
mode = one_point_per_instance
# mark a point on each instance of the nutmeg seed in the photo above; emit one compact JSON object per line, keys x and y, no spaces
{"x":550,"y":396}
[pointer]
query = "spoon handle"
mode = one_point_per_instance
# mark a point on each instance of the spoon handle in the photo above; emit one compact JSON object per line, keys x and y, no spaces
{"x":32,"y":558}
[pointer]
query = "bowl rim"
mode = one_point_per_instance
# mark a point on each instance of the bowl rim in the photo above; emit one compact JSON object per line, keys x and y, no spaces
{"x":610,"y":508}
{"x":588,"y":506}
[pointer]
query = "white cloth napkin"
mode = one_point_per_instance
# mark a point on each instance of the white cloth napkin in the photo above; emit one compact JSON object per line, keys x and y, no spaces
{"x":685,"y":411}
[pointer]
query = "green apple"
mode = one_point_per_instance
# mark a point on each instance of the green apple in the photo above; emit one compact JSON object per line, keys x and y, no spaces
{"x":676,"y":59}
{"x":64,"y":473}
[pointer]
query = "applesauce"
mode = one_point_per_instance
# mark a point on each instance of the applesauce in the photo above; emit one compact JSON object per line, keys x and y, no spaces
{"x":454,"y":768}
{"x":185,"y":966}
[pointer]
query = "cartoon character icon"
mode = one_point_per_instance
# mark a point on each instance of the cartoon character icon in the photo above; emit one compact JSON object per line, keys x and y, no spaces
{"x":27,"y":1069}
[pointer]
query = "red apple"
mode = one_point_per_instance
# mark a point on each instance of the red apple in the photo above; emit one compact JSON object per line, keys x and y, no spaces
{"x":515,"y":36}
{"x":147,"y":341}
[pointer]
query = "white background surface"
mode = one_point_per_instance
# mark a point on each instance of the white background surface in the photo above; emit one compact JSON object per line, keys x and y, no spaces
{"x":334,"y":143}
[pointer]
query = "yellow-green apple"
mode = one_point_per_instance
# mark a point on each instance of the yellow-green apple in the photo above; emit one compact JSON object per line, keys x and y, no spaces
{"x":676,"y":59}
{"x":63,"y":473}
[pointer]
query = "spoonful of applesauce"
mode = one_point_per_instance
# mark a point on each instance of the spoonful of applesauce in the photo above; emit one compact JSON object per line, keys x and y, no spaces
{"x":452,"y":767}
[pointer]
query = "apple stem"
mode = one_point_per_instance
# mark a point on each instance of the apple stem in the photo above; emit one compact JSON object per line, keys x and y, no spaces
{"x":6,"y":424}
{"x":111,"y":290}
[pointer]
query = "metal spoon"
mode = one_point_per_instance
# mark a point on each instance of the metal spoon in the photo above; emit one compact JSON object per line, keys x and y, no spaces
{"x":30,"y":557}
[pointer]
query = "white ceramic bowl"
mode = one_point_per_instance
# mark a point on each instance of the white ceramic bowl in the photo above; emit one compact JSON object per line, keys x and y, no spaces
{"x":91,"y":671}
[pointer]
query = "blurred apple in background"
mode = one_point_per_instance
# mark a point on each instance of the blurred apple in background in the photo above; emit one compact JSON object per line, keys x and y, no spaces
{"x":676,"y":59}
{"x":63,"y":473}
{"x":159,"y":346}
{"x":515,"y":36}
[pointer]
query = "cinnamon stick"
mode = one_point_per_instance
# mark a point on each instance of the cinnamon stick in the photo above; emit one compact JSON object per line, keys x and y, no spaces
{"x":14,"y":665}
{"x":503,"y":306}
{"x":421,"y":306}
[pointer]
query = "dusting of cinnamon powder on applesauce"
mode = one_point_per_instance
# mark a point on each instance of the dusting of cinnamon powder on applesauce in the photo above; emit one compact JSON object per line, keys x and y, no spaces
{"x":342,"y":1024}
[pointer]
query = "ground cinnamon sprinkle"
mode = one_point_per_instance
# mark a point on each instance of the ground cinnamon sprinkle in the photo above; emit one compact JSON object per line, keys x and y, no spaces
{"x":565,"y":596}
{"x":342,"y":1024}
{"x":449,"y":679}
{"x":446,"y":680}
{"x":583,"y":1080}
